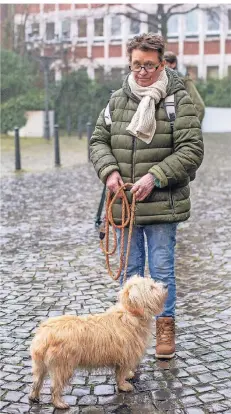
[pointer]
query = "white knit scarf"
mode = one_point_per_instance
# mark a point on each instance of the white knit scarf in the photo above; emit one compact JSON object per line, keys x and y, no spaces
{"x":143,"y":123}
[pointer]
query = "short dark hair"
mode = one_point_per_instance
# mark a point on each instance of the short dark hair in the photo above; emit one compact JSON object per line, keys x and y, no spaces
{"x":145,"y":42}
{"x":170,"y":57}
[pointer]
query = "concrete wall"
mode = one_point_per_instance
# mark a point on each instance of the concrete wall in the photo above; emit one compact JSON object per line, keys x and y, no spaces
{"x":217,"y":120}
{"x":35,"y":124}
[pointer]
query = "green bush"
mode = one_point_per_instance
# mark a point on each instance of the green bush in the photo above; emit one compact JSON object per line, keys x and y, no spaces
{"x":81,"y":99}
{"x":18,"y":75}
{"x":13,"y":111}
{"x":215,"y":92}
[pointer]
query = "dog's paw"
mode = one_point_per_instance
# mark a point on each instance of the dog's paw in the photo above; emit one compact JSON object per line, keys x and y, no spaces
{"x":126,"y":386}
{"x":130,"y":375}
{"x":33,"y":399}
{"x":60,"y":404}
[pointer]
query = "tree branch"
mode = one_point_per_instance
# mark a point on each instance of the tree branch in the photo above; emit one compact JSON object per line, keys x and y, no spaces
{"x":136,"y":19}
{"x":184,"y":12}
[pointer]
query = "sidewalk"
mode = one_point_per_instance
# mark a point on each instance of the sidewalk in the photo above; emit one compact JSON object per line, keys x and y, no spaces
{"x":51,"y":265}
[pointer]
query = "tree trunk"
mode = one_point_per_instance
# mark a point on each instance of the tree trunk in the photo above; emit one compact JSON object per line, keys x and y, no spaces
{"x":162,"y":21}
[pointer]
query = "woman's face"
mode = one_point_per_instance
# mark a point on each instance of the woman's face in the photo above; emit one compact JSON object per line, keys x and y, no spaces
{"x":150,"y":59}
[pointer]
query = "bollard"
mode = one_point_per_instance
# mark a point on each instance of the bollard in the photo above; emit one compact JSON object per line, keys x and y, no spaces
{"x":17,"y":149}
{"x":56,"y":142}
{"x":68,"y":125}
{"x":79,"y":127}
{"x":89,"y":134}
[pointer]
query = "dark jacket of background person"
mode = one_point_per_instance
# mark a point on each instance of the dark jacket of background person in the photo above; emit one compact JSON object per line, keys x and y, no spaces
{"x":194,"y":95}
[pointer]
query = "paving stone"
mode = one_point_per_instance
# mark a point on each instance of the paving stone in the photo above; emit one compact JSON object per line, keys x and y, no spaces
{"x":92,"y":410}
{"x":88,"y":400}
{"x":51,"y":265}
{"x":211,"y":396}
{"x":13,"y":396}
{"x":195,"y":410}
{"x":190,"y":401}
{"x":79,"y":392}
{"x":104,"y":389}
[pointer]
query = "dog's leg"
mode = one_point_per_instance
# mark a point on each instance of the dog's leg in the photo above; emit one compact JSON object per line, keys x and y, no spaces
{"x":121,"y":375}
{"x":59,"y":377}
{"x":130,"y":374}
{"x":39,"y":372}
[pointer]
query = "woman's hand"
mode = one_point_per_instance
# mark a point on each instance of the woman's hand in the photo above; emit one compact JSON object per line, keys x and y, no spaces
{"x":114,"y":182}
{"x":143,"y":187}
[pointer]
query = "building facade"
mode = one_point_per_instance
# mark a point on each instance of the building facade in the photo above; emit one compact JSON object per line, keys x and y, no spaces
{"x":96,"y":35}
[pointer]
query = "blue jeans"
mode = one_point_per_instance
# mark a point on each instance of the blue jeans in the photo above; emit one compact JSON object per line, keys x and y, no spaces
{"x":161,"y":241}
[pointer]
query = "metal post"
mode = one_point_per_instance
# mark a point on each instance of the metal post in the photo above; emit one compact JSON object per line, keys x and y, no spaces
{"x":79,"y":127}
{"x":46,"y":101}
{"x":56,"y":142}
{"x":69,"y":125}
{"x":17,"y":149}
{"x":89,"y":134}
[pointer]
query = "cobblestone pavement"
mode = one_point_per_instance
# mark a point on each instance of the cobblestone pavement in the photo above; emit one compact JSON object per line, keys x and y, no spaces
{"x":51,"y":264}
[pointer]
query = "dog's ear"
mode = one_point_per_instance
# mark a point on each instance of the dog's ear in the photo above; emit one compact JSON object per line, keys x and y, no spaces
{"x":134,"y":294}
{"x":130,"y":301}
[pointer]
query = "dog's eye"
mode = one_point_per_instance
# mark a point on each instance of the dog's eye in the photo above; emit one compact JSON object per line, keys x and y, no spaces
{"x":152,"y":287}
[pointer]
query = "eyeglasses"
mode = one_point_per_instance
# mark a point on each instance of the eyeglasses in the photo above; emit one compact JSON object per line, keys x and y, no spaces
{"x":149,"y":67}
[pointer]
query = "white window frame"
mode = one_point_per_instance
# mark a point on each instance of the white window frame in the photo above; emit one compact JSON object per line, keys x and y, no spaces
{"x":82,"y":38}
{"x":192,"y":33}
{"x":117,"y":36}
{"x":49,"y":40}
{"x":212,"y":32}
{"x":229,"y":29}
{"x":68,"y":37}
{"x":212,"y":66}
{"x":174,"y":34}
{"x":99,"y":38}
{"x":129,"y":32}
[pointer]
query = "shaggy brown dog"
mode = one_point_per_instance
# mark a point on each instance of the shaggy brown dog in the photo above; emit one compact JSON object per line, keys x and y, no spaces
{"x":116,"y":338}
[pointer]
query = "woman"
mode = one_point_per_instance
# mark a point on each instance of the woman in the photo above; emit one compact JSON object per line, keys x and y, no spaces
{"x":139,"y":145}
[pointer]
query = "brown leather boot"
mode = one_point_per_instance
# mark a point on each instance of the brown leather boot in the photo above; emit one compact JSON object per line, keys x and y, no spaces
{"x":165,"y":337}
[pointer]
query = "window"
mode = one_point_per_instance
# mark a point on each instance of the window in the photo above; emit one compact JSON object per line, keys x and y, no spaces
{"x":35,"y":29}
{"x":135,"y":24}
{"x":192,"y":71}
{"x":213,"y":21}
{"x":82,"y":28}
{"x":99,"y":75}
{"x":229,"y":19}
{"x":50,"y":31}
{"x":152,"y":23}
{"x":116,"y":74}
{"x":173,"y":23}
{"x":191,"y":22}
{"x":99,"y":31}
{"x":115,"y":25}
{"x":66,"y":29}
{"x":229,"y":72}
{"x":212,"y":72}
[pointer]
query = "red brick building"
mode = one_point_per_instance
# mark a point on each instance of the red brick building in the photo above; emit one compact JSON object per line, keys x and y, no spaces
{"x":96,"y":35}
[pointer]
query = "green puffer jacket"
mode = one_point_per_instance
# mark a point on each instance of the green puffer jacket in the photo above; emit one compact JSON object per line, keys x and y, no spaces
{"x":172,"y":158}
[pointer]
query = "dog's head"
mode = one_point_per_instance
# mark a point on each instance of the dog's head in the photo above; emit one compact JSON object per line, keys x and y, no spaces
{"x":143,"y":296}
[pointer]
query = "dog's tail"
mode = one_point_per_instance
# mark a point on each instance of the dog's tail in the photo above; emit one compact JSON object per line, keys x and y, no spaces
{"x":38,"y":348}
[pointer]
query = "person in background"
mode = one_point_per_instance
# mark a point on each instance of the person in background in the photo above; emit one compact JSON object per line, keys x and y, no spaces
{"x":140,"y":146}
{"x":171,"y":62}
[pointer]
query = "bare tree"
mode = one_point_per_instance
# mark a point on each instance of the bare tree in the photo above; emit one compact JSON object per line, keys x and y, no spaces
{"x":13,"y":36}
{"x":158,"y":21}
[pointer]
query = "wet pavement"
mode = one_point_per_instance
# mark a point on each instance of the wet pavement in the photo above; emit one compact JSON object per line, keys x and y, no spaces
{"x":51,"y":265}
